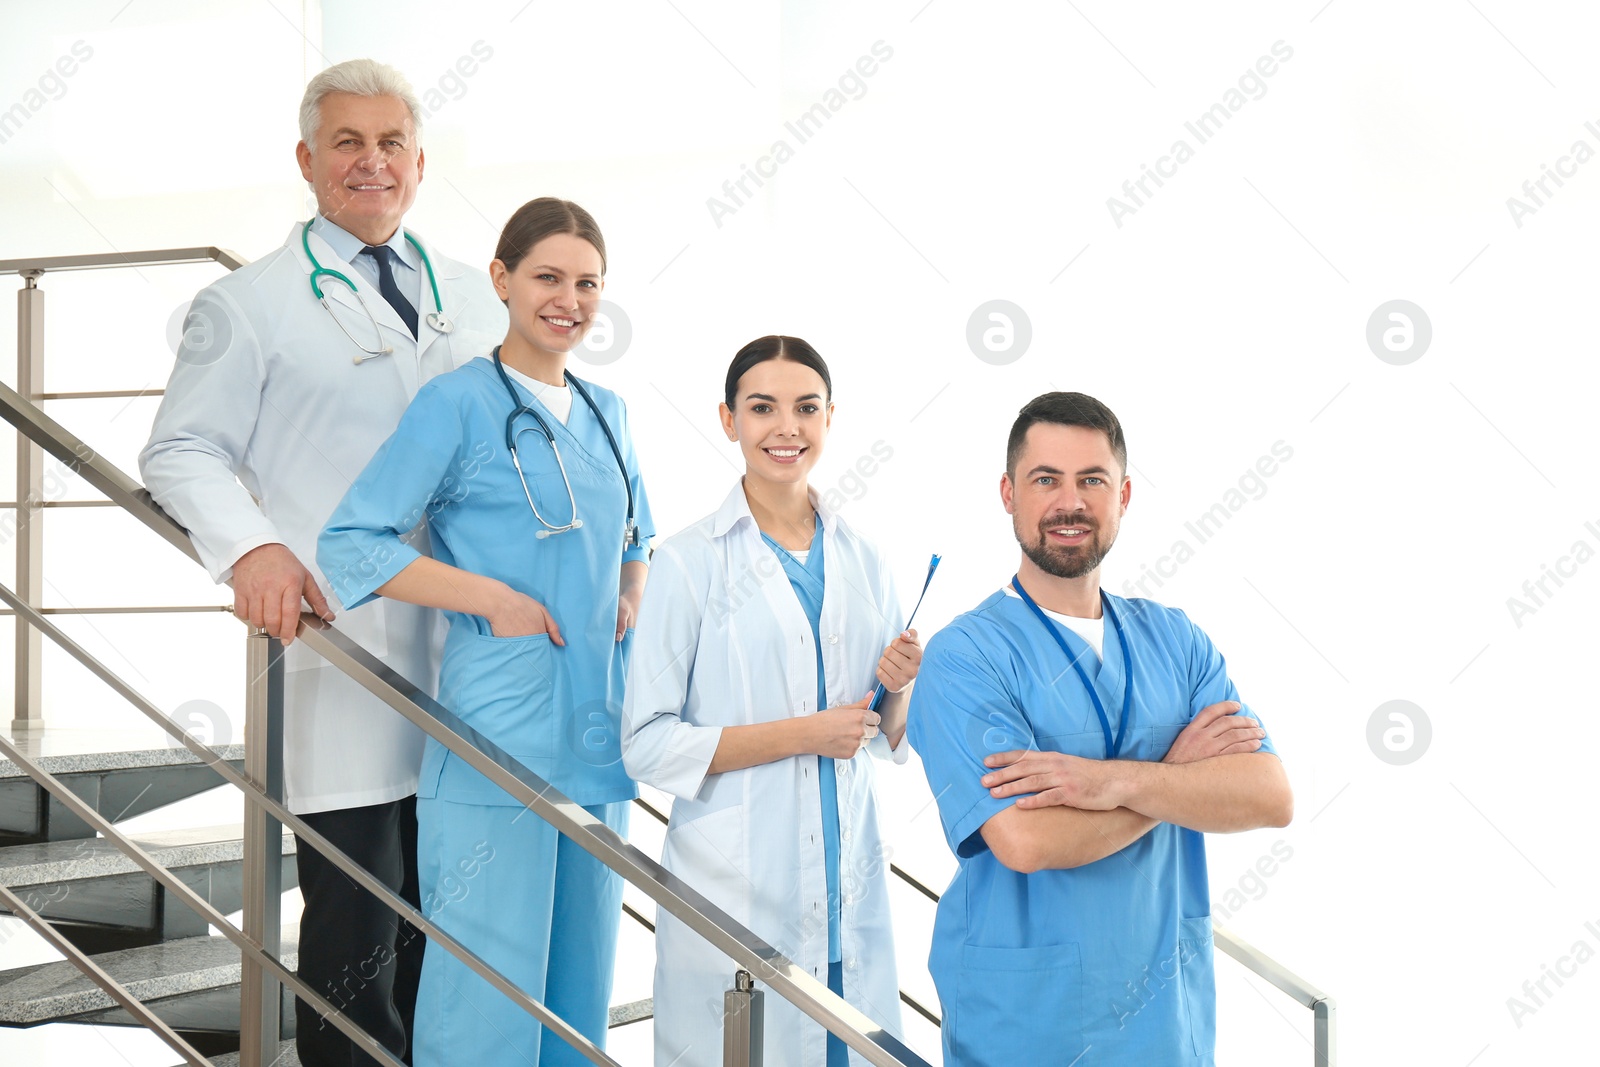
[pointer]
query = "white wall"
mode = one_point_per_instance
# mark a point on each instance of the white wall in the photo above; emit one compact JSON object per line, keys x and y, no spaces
{"x":1224,"y":315}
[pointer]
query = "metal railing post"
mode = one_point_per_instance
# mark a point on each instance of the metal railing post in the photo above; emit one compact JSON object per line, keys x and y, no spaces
{"x":27,"y":711}
{"x":1325,"y":1043}
{"x":260,"y":994}
{"x":743,"y":1041}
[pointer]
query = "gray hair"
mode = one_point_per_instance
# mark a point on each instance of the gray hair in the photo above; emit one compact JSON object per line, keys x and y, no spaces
{"x":358,"y":77}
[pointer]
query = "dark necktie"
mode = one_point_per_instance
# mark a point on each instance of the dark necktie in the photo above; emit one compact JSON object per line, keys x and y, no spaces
{"x":382,"y":255}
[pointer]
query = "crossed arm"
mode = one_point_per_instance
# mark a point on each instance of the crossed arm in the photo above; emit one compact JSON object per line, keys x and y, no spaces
{"x":1212,"y":779}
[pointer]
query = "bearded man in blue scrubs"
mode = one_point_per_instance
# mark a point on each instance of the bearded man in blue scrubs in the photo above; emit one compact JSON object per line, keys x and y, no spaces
{"x":1079,"y":744}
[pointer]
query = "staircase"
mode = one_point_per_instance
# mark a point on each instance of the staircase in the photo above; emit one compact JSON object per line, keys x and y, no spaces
{"x":106,"y":906}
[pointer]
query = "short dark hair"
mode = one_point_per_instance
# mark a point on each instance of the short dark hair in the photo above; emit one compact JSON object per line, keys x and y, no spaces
{"x":775,"y":346}
{"x":1066,"y":409}
{"x":538,"y":219}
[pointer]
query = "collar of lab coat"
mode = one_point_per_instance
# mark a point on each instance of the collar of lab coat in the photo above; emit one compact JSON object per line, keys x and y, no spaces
{"x":736,"y":509}
{"x":347,"y":246}
{"x":445,"y":270}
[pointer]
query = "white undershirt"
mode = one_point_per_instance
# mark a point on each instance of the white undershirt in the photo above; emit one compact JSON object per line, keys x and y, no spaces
{"x":558,"y":398}
{"x":1091,"y":630}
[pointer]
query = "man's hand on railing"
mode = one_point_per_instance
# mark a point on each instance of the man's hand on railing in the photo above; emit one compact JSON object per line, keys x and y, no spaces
{"x":268,"y":584}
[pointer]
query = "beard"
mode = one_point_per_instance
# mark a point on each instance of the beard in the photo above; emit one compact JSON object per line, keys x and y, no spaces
{"x":1065,"y":561}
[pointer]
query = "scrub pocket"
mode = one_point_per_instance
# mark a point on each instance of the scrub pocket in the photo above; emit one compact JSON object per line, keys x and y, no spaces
{"x":502,"y":687}
{"x":549,"y":490}
{"x":1196,"y":952}
{"x":1158,"y":742}
{"x":1019,"y":1005}
{"x":1089,"y":744}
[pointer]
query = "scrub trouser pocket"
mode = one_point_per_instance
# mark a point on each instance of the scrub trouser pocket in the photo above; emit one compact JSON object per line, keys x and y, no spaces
{"x":1013,"y":1006}
{"x":532,"y":905}
{"x":1196,"y":953}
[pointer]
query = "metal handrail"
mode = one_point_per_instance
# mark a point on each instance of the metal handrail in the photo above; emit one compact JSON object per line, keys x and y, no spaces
{"x":104,"y":394}
{"x":28,"y":705}
{"x":157,"y":258}
{"x":1322,"y":1006}
{"x":9,"y":504}
{"x":197,"y":903}
{"x":115,"y":989}
{"x":747,"y":950}
{"x":1324,"y":1011}
{"x":254,"y":792}
{"x":134,"y":609}
{"x":905,"y":998}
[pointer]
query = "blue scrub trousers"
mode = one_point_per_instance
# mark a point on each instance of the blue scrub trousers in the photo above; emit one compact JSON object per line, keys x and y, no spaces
{"x":531,"y":904}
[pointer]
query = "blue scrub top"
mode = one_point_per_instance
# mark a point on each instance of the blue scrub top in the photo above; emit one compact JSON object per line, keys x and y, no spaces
{"x":808,"y":581}
{"x":1112,"y":960}
{"x":556,"y":708}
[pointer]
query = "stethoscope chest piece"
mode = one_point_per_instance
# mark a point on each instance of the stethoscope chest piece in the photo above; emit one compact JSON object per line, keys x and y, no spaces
{"x":632,"y":536}
{"x":435,"y":318}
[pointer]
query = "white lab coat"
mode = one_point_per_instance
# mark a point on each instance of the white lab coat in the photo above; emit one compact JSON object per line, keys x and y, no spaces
{"x":722,"y":641}
{"x":267,"y":420}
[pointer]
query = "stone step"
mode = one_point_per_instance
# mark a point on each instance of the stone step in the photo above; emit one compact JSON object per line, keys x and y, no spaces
{"x":286,"y":1056}
{"x":51,"y":862}
{"x":59,"y":992}
{"x":101,"y":901}
{"x":120,"y":773}
{"x":633,"y":1012}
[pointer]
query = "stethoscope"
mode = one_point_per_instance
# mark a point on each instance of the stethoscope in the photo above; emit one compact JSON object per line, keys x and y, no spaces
{"x":630,"y":534}
{"x":435,"y":318}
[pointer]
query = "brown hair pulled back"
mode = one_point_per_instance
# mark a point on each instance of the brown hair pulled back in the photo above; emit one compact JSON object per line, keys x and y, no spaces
{"x":538,"y":219}
{"x":775,"y":346}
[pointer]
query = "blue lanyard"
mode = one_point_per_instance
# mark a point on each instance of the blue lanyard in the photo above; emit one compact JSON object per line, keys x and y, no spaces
{"x":1112,"y":748}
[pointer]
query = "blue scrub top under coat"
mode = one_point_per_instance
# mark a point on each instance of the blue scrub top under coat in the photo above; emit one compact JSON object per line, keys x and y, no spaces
{"x":1114,"y":957}
{"x":808,"y":580}
{"x":555,"y":708}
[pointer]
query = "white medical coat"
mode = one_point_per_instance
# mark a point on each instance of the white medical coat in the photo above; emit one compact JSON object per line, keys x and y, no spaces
{"x":267,"y":420}
{"x":723,"y":641}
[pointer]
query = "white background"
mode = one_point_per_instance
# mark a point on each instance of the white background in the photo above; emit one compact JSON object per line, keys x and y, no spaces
{"x":1227,"y":314}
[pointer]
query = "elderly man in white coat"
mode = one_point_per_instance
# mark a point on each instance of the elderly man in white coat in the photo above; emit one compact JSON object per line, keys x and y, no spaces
{"x":276,"y":403}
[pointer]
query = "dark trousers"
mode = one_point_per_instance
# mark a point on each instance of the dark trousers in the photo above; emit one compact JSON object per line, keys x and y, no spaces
{"x":354,"y":950}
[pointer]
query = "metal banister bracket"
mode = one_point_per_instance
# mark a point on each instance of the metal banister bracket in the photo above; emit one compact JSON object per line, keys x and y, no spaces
{"x":743,"y":1032}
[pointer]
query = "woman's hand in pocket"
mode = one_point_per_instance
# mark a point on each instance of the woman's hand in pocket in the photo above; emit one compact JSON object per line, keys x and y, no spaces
{"x":519,"y":615}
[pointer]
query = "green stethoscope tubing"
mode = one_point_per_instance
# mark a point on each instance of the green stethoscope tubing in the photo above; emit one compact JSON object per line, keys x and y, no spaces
{"x":435,"y":318}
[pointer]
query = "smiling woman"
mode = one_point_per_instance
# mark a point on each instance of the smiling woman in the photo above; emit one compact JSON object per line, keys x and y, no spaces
{"x":759,"y":634}
{"x":541,"y":605}
{"x":549,"y":269}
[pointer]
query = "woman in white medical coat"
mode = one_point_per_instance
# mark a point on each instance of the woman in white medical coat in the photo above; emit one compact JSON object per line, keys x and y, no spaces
{"x":755,"y":618}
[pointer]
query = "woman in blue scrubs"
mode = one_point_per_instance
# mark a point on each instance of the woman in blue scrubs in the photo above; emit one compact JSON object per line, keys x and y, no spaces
{"x":530,"y":488}
{"x":764,"y":628}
